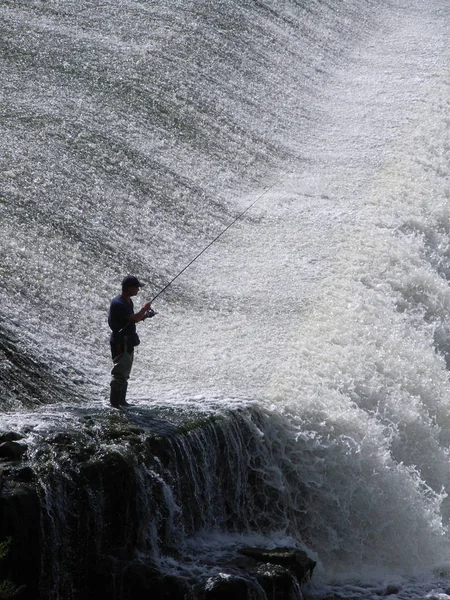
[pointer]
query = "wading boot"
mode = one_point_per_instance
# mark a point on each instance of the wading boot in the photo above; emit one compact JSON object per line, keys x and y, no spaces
{"x":115,"y":398}
{"x":123,"y":402}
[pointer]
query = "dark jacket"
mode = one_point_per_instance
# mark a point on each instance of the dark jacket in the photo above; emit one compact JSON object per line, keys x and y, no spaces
{"x":121,"y":327}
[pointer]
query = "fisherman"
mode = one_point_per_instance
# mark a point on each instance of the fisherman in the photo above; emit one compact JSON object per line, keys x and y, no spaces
{"x":122,"y":321}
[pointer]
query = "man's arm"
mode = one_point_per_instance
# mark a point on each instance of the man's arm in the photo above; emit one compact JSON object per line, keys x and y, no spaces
{"x":140,"y":316}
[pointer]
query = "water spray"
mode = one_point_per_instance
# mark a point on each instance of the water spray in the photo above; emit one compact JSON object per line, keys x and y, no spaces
{"x":240,"y":215}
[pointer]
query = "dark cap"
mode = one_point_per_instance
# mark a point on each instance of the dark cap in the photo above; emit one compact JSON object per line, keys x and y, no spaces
{"x":131,"y":281}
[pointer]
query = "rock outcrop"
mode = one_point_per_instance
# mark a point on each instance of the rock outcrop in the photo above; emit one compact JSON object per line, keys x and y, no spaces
{"x":109,"y":502}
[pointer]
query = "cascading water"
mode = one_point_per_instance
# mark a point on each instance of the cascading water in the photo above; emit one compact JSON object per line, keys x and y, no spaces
{"x":314,"y":335}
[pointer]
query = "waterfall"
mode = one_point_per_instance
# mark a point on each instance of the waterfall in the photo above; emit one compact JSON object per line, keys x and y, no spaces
{"x":293,"y":389}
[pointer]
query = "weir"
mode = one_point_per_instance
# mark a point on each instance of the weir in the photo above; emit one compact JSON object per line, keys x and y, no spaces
{"x":293,"y":390}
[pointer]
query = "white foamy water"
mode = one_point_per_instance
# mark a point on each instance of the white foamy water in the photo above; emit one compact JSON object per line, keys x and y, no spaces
{"x":333,"y":307}
{"x":327,"y":305}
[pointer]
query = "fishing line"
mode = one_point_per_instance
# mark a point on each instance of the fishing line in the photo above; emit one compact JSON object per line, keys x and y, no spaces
{"x":240,"y":215}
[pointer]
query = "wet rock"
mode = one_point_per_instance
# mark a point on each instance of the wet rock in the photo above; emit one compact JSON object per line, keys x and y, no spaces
{"x":224,"y":587}
{"x":131,"y":580}
{"x":98,"y":494}
{"x":10,"y":436}
{"x":279,"y":583}
{"x":12,"y":450}
{"x":60,"y":439}
{"x":145,"y":581}
{"x":18,"y":474}
{"x":20,"y":522}
{"x":297,"y":561}
{"x":392,"y":589}
{"x":25,"y":475}
{"x":256,"y":574}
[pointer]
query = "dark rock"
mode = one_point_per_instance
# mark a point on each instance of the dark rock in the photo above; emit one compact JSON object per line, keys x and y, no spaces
{"x":17,"y":473}
{"x":224,"y":587}
{"x":145,"y":581}
{"x":297,"y":561}
{"x":10,"y":436}
{"x":97,"y":498}
{"x":20,"y":522}
{"x":278,"y":582}
{"x":12,"y":450}
{"x":60,"y":439}
{"x":392,"y":589}
{"x":25,"y":475}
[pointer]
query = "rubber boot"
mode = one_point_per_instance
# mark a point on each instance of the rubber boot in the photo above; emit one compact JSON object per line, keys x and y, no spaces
{"x":123,"y":402}
{"x":115,"y":397}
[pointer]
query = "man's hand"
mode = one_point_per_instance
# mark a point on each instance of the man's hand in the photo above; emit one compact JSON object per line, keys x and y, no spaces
{"x":140,"y":316}
{"x":148,"y":311}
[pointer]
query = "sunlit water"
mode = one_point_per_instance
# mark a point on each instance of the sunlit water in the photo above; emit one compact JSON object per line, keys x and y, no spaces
{"x":327,"y":304}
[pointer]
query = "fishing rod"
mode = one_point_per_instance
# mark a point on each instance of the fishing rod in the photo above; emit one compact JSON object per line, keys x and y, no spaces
{"x":240,"y":215}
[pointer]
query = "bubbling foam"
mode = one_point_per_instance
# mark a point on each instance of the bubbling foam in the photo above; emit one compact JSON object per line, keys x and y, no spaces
{"x":367,"y":380}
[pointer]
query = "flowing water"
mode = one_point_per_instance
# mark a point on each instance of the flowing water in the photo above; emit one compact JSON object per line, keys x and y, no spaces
{"x":133,"y":132}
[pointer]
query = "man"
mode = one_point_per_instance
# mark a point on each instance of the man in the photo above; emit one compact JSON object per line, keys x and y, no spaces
{"x":122,"y":320}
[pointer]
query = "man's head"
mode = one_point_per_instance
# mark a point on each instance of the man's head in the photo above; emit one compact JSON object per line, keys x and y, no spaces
{"x":131,"y":285}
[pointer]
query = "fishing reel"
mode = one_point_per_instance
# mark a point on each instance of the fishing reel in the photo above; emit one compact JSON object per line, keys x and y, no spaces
{"x":150,"y":313}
